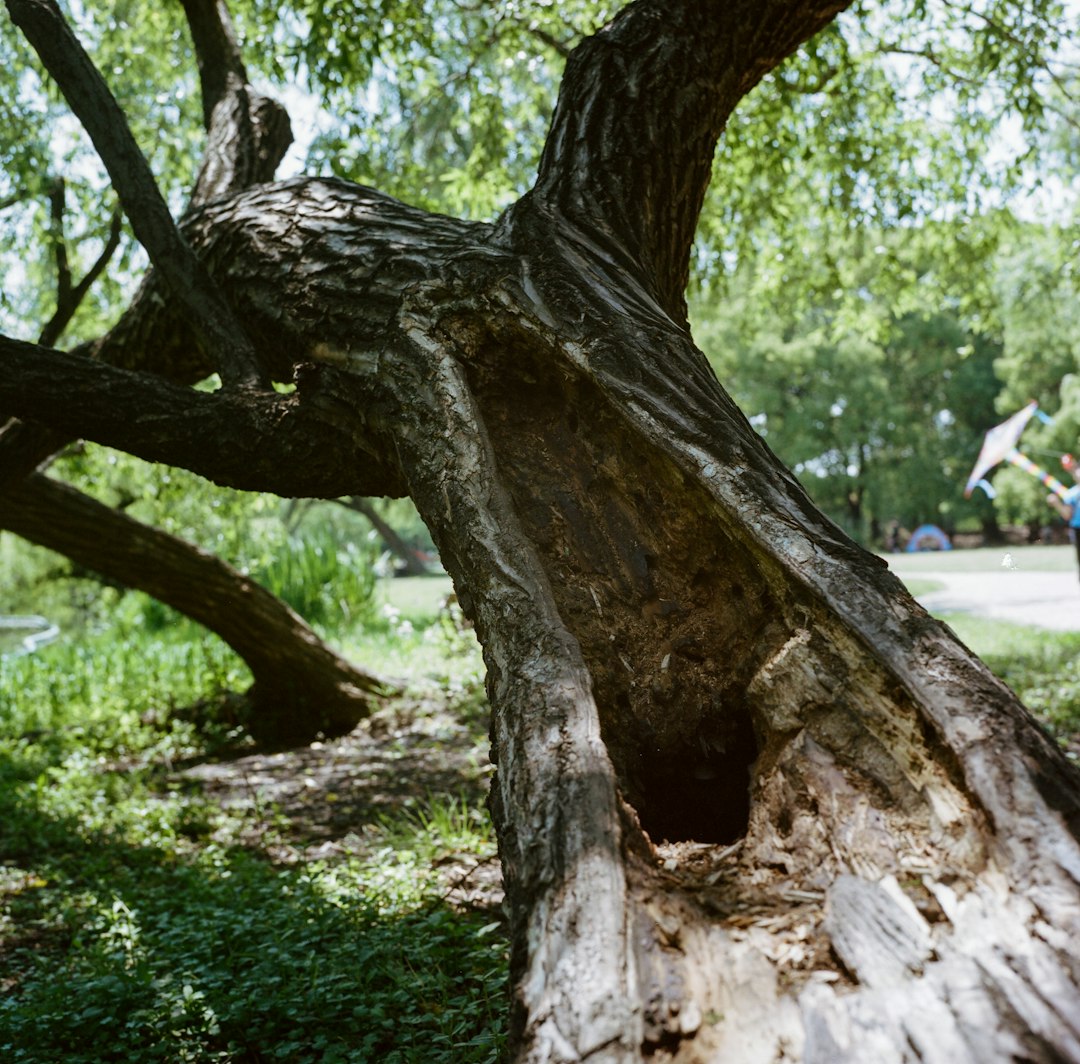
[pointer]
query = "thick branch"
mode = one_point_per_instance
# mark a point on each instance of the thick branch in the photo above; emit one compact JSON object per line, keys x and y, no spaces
{"x":301,"y":687}
{"x":640,"y":110}
{"x":310,"y":443}
{"x":247,"y":134}
{"x":89,"y":97}
{"x":216,"y":52}
{"x":316,"y":268}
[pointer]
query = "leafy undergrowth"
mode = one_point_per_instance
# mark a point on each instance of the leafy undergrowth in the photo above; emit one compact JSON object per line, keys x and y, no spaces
{"x":1042,"y":667}
{"x":160,"y":901}
{"x":338,"y":903}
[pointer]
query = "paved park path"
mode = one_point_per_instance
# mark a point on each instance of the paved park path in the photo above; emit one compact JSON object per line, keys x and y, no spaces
{"x":1010,"y":591}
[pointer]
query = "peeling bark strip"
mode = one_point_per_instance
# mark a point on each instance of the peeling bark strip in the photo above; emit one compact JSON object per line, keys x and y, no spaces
{"x":300,"y":688}
{"x":753,"y":803}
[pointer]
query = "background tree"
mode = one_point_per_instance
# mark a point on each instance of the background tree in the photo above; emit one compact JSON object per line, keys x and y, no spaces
{"x":879,"y":409}
{"x":750,"y":797}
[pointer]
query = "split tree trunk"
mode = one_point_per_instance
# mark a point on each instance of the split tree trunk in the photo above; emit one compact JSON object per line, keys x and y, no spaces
{"x":871,"y":848}
{"x":301,"y":689}
{"x":753,"y":804}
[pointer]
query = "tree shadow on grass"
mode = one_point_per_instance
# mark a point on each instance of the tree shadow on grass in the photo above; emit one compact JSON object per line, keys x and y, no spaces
{"x":159,"y":950}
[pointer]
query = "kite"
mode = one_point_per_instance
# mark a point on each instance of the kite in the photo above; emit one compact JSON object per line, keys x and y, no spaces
{"x":1000,"y":446}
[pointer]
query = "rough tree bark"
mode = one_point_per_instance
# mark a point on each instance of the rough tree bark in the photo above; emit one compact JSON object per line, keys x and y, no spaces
{"x":300,"y":687}
{"x":753,"y":803}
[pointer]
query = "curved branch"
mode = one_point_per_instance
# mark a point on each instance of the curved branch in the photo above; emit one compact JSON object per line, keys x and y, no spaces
{"x":301,"y":687}
{"x":315,"y":266}
{"x":641,"y":107}
{"x":306,"y":444}
{"x":248,"y":134}
{"x":216,"y":51}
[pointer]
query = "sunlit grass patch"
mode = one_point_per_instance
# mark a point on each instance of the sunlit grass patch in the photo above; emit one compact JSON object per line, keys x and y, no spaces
{"x":1042,"y":667}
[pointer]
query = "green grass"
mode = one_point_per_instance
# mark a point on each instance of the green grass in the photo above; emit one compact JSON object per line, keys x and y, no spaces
{"x":417,"y":598}
{"x":142,"y":919}
{"x":1042,"y":667}
{"x":139,"y":923}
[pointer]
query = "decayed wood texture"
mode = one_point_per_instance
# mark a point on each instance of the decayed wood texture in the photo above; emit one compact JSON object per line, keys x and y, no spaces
{"x":300,"y":687}
{"x":753,"y":803}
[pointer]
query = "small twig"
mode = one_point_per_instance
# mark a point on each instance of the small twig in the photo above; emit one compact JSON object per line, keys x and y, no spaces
{"x":59,"y":242}
{"x":69,"y":297}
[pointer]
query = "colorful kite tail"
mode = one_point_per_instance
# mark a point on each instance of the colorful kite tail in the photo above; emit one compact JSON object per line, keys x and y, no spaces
{"x":1021,"y":461}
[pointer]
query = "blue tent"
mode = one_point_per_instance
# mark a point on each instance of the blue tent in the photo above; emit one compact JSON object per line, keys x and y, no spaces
{"x":928,"y":537}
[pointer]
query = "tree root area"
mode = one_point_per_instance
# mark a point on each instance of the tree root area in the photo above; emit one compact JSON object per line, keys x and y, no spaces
{"x":331,"y":800}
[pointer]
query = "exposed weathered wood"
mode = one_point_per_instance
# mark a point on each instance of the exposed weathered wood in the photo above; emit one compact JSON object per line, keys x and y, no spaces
{"x":753,"y":803}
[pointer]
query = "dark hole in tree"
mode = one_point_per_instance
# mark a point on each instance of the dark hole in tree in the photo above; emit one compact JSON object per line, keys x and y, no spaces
{"x":701,"y":793}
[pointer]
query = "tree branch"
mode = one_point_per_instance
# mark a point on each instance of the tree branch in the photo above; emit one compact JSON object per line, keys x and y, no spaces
{"x":306,"y":444}
{"x":89,"y":97}
{"x":221,"y":67}
{"x":301,"y":686}
{"x":248,"y":134}
{"x":641,"y":107}
{"x":288,"y":252}
{"x":69,"y":297}
{"x":58,"y":239}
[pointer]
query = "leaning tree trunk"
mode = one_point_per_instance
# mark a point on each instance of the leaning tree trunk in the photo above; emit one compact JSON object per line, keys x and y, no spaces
{"x":301,"y":689}
{"x":409,"y":556}
{"x":752,"y":800}
{"x":753,"y":803}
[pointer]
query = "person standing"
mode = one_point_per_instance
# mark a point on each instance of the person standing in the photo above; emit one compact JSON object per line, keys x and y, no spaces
{"x":1069,"y":506}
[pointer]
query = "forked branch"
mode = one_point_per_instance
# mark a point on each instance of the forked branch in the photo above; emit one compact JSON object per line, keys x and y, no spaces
{"x":89,"y":97}
{"x":69,"y":296}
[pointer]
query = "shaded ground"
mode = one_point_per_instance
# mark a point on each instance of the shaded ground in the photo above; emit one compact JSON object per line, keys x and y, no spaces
{"x":325,"y":801}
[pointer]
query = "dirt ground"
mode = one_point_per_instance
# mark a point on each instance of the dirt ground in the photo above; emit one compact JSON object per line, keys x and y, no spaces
{"x":319,"y":802}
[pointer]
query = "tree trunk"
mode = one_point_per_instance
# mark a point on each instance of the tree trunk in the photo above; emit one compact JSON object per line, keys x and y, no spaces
{"x":753,"y":803}
{"x":871,"y":848}
{"x":409,"y":556}
{"x":301,"y":689}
